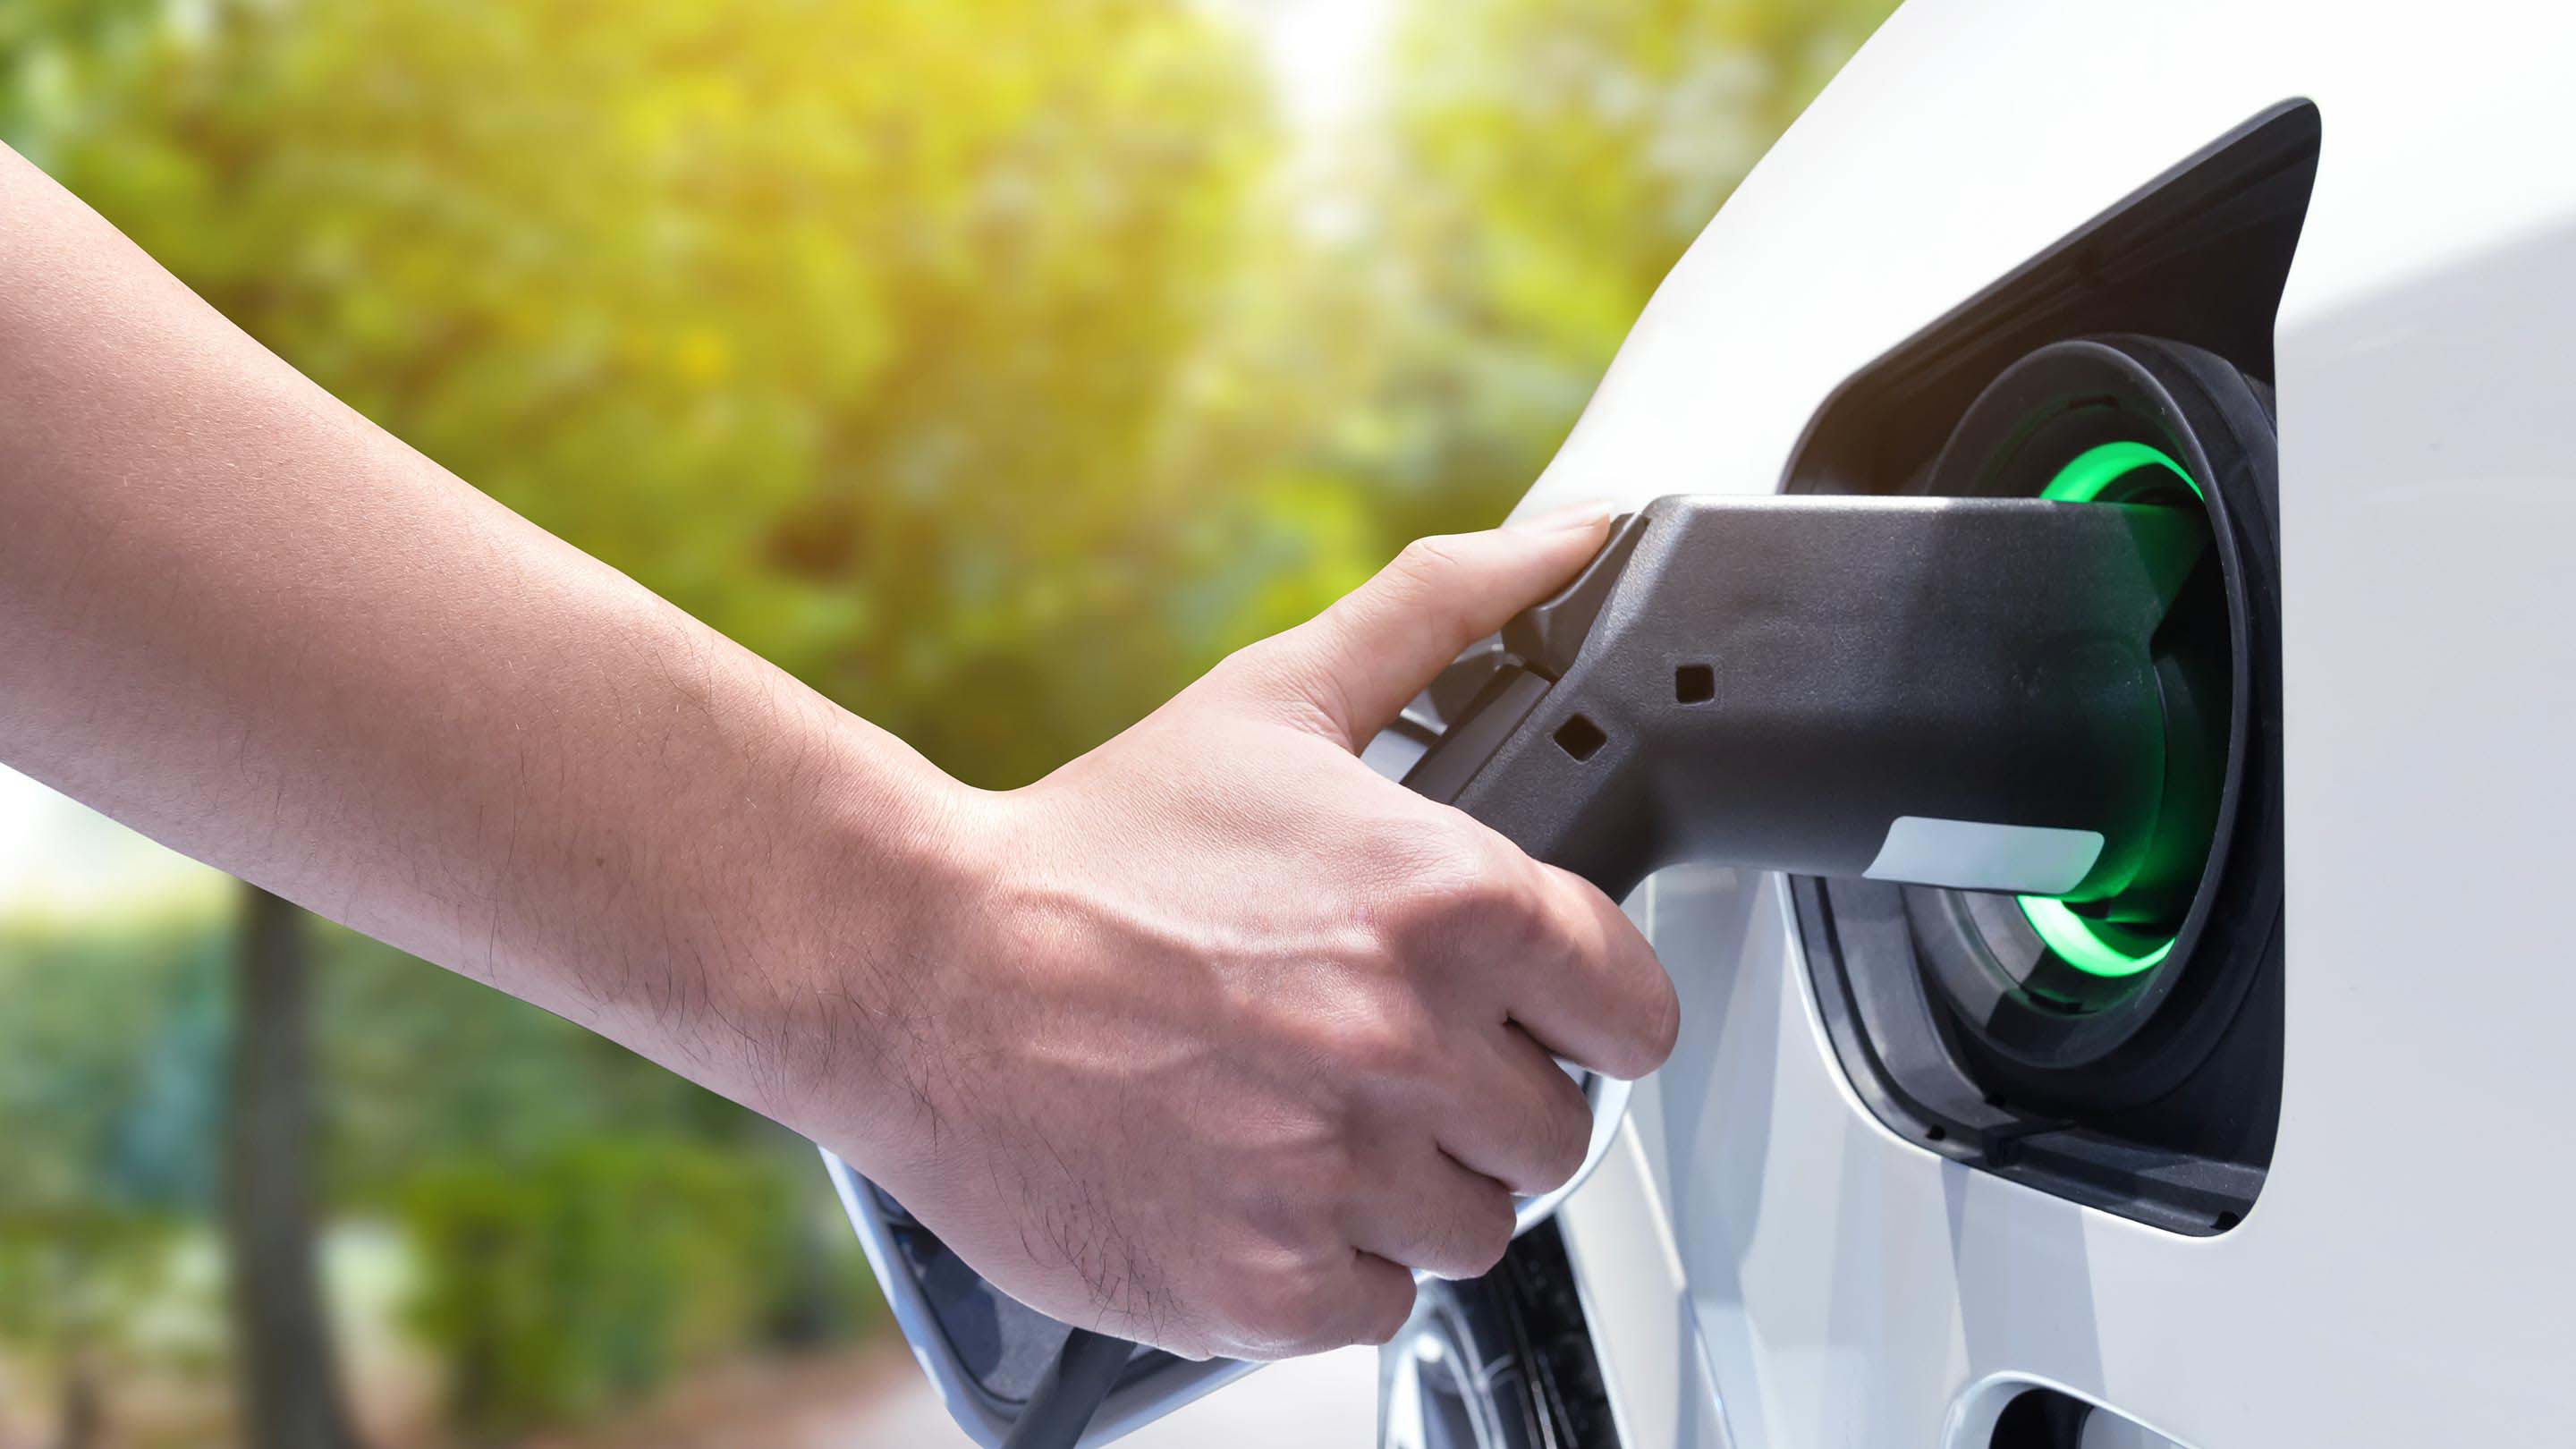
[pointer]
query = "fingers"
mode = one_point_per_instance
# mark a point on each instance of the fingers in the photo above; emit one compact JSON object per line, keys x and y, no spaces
{"x":1521,"y":1121}
{"x":1360,"y":660}
{"x":1427,"y":1212}
{"x":1499,"y":936}
{"x":1381,"y":1297}
{"x":1589,"y":988}
{"x":1364,"y":1301}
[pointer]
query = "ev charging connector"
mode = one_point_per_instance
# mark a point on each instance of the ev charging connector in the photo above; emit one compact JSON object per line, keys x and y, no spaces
{"x":1961,"y":692}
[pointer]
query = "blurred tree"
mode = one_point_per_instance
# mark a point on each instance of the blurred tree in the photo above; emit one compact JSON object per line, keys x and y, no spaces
{"x":285,"y":1360}
{"x":566,"y":1283}
{"x":101,"y":1158}
{"x":72,"y":1287}
{"x":1553,"y":160}
{"x":586,"y":1222}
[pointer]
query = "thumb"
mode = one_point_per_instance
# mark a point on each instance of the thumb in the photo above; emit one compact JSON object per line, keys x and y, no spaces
{"x":1361,"y":660}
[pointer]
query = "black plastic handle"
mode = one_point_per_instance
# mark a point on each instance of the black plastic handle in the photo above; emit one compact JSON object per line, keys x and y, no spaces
{"x":1945,"y":691}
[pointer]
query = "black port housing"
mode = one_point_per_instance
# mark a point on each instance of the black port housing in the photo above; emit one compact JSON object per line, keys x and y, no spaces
{"x":2156,"y":1097}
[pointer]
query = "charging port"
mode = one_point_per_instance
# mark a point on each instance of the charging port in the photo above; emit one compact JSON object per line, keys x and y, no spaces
{"x":2063,"y":983}
{"x":2121,"y":1046}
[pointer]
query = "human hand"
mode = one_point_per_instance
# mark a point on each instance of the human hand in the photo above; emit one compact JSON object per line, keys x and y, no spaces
{"x":1224,"y":1034}
{"x":1205,"y":1040}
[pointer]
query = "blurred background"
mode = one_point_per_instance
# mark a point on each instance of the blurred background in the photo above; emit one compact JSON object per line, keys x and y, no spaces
{"x":994,"y":365}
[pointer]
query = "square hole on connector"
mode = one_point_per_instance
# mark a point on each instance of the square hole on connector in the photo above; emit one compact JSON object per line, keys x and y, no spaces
{"x":1580,"y":738}
{"x":1695,"y":684}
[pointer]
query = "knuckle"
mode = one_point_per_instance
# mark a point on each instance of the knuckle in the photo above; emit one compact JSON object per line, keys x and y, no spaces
{"x":1271,"y":1315}
{"x":1665,"y":1029}
{"x":1423,"y":581}
{"x":1564,"y":1135}
{"x":1645,"y":1014}
{"x":1420,"y":843}
{"x":1310,"y":1317}
{"x":1387,"y":1315}
{"x":1660,"y":1026}
{"x":1428,"y":562}
{"x":1517,"y":922}
{"x":1487,"y":1234}
{"x":1288,"y":676}
{"x":1628,"y":1058}
{"x":1257,"y":667}
{"x":1468,"y":887}
{"x":1316,"y":1306}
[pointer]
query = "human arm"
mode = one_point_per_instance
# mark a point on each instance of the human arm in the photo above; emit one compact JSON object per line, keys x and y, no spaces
{"x":1203,"y":1039}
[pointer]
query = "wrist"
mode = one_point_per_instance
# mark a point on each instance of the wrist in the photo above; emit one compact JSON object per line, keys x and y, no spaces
{"x":793,"y":911}
{"x":854,"y":936}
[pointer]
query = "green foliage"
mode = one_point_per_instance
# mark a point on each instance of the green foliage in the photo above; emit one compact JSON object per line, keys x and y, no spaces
{"x":1570,"y":151}
{"x":584,"y":1221}
{"x":422,"y":1068}
{"x":104,"y":1130}
{"x":562,"y":1284}
{"x":108,"y":1075}
{"x":849,"y":326}
{"x":1553,"y":160}
{"x":587,"y":1222}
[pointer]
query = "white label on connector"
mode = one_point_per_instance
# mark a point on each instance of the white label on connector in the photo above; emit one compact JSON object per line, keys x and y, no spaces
{"x":1977,"y":855}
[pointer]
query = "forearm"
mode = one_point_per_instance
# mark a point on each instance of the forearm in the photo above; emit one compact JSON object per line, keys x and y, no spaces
{"x":238,"y":616}
{"x":1211,"y":1038}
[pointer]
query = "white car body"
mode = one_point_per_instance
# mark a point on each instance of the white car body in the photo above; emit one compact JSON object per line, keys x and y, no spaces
{"x":1763,"y":1263}
{"x":1761,"y":1260}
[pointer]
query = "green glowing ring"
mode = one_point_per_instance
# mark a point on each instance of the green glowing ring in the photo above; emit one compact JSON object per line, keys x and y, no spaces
{"x":2098,"y":467}
{"x":2094,"y":947}
{"x":2086,"y":945}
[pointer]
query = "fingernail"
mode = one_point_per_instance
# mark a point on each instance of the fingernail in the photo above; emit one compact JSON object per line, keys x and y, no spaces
{"x":1565,"y":519}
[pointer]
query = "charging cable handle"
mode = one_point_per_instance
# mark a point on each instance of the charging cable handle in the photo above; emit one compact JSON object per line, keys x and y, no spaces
{"x":1959,"y":692}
